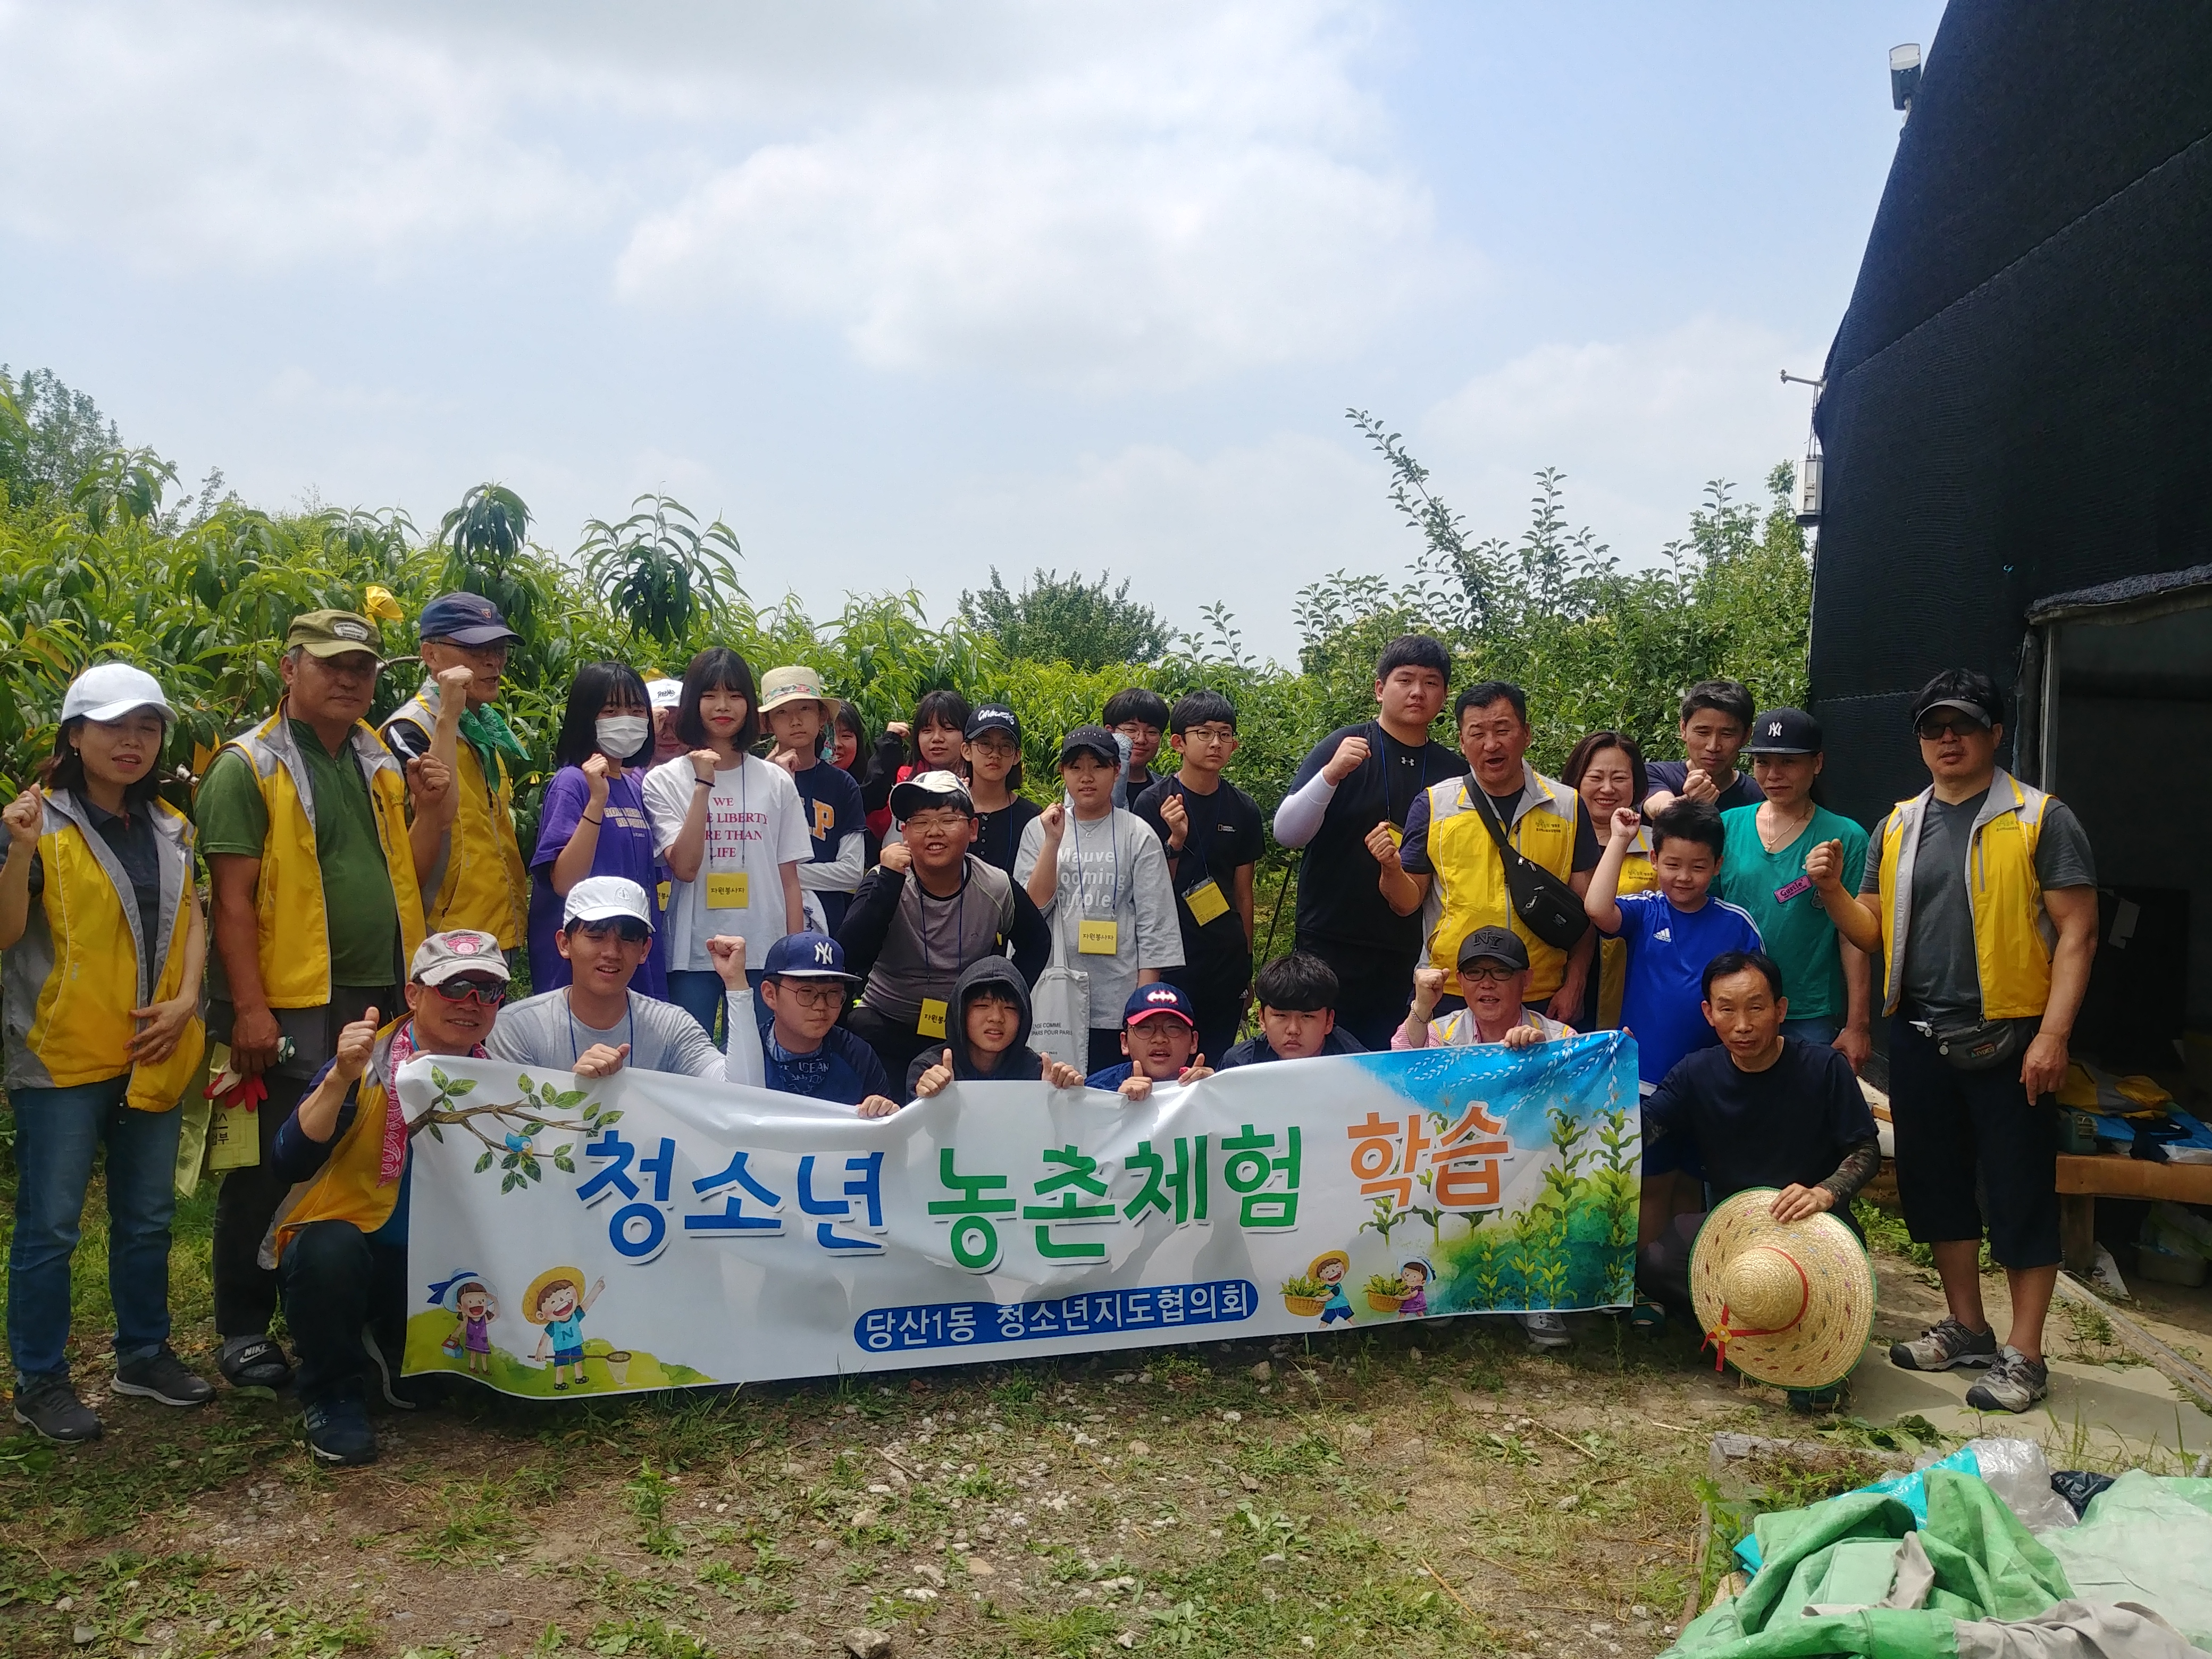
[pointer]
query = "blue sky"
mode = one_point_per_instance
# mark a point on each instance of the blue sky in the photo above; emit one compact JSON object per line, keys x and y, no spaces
{"x":905,"y":291}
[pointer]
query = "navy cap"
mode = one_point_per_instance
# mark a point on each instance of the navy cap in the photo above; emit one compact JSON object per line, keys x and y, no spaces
{"x":464,"y":618}
{"x":806,"y":956}
{"x":1784,"y":731}
{"x":993,"y":717}
{"x":1090,"y":740}
{"x":1160,"y":999}
{"x":1494,"y":945}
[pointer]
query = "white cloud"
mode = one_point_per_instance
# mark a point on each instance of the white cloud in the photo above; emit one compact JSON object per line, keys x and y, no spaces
{"x":1638,"y":426}
{"x":1199,"y":196}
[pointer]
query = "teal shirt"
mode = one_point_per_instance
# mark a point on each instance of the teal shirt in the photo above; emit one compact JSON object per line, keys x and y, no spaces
{"x":1772,"y":886}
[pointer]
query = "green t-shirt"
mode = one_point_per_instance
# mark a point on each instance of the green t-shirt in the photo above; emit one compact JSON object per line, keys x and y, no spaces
{"x":1773,"y":887}
{"x":364,"y":916}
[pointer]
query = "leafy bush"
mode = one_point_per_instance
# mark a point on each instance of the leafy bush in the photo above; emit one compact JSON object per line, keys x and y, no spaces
{"x":1303,"y":1286}
{"x":1386,"y":1284}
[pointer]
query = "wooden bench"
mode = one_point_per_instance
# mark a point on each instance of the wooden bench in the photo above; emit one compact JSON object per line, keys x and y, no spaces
{"x":2083,"y":1180}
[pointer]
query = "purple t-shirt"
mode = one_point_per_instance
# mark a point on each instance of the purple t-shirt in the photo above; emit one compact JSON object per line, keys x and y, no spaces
{"x":625,"y":850}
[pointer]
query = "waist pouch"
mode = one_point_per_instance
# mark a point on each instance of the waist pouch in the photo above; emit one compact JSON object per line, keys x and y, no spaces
{"x":1982,"y":1045}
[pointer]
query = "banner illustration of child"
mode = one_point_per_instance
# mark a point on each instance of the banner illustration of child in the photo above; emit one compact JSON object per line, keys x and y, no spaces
{"x":470,"y":1298}
{"x":557,"y":1299}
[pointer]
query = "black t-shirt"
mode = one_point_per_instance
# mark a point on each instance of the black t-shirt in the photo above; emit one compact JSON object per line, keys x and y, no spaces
{"x":1222,"y":833}
{"x":1338,"y":899}
{"x":1413,"y":851}
{"x":999,"y":835}
{"x":1670,"y":775}
{"x":1788,"y":1125}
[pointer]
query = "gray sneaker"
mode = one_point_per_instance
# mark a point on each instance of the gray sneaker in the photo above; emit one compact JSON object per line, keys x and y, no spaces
{"x":2013,"y":1384}
{"x":1545,"y":1330}
{"x":1943,"y":1344}
{"x":164,"y":1378}
{"x":51,"y":1407}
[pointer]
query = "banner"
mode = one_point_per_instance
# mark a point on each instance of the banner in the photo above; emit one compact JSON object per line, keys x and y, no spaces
{"x":649,"y":1231}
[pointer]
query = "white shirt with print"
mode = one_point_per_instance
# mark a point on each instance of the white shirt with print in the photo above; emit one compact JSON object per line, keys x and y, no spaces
{"x":755,"y":824}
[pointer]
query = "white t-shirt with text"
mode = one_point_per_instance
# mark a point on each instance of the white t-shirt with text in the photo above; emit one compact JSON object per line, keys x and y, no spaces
{"x":754,"y":826}
{"x":1110,"y":870}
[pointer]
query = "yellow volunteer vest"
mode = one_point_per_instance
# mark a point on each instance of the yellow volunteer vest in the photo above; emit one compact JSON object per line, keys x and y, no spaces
{"x":289,"y":901}
{"x":346,"y":1188}
{"x":73,"y":978}
{"x":1636,"y":877}
{"x":1467,"y":882}
{"x":2012,"y":932}
{"x":482,"y":884}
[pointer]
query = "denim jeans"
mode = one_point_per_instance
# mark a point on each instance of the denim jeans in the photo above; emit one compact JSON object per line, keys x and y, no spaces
{"x":335,"y":1281}
{"x":702,"y":996}
{"x":57,"y":1133}
{"x":1818,"y":1030}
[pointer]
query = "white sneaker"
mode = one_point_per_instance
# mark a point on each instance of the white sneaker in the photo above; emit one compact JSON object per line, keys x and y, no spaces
{"x":1545,"y":1330}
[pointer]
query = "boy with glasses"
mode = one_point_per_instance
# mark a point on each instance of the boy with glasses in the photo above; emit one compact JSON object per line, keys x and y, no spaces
{"x":1210,"y":831}
{"x":596,"y":1024}
{"x":807,"y":1052}
{"x":340,"y":1236}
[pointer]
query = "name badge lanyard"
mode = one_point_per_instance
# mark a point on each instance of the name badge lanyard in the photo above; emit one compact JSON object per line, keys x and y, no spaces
{"x":930,"y":1022}
{"x":1397,"y":820}
{"x":629,"y":1028}
{"x":732,"y":890}
{"x":1201,"y":894}
{"x":1094,"y":937}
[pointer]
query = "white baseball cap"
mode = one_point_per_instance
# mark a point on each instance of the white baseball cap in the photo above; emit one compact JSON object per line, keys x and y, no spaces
{"x":665,"y":693}
{"x":606,"y":898}
{"x":109,"y":690}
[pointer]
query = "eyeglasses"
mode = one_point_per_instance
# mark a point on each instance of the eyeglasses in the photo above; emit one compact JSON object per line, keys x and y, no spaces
{"x":1936,"y":727}
{"x":1489,"y":973}
{"x":1210,"y":734}
{"x":812,"y":996}
{"x":489,"y":991}
{"x":934,"y":818}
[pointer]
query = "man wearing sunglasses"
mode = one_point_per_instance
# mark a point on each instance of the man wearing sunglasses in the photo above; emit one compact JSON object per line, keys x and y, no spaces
{"x":596,"y":1025}
{"x":340,"y":1237}
{"x":1979,"y":899}
{"x":808,"y":1053}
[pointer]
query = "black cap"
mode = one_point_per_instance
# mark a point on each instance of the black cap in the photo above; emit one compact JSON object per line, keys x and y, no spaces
{"x":1784,"y":731}
{"x":1972,"y":709}
{"x":993,"y":717}
{"x":1090,"y":740}
{"x":1494,"y":945}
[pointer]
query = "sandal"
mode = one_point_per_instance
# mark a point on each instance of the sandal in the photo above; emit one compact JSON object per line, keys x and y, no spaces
{"x":1647,"y":1317}
{"x":254,"y":1362}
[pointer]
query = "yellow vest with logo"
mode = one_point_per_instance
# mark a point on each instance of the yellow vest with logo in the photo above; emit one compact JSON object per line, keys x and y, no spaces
{"x":347,"y":1187}
{"x":1469,"y":876}
{"x":1636,"y":877}
{"x":483,"y":883}
{"x":2014,"y":935}
{"x":73,"y":977}
{"x":289,"y":901}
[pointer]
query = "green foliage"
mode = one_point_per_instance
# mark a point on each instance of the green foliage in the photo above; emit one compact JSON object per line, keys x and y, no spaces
{"x":1056,"y":618}
{"x":660,"y":569}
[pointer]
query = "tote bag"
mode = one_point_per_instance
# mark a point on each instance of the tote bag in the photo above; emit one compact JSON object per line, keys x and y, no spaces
{"x":1060,"y":1009}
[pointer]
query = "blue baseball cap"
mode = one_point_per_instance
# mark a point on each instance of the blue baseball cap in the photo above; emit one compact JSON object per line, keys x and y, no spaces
{"x":1149,"y":999}
{"x":806,"y":956}
{"x":464,"y":618}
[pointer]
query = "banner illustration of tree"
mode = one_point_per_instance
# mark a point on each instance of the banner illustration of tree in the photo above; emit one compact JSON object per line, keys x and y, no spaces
{"x":647,"y":1231}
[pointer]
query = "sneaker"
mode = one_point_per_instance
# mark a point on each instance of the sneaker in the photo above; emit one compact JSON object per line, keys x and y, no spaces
{"x":2013,"y":1384}
{"x":1647,"y":1317}
{"x":53,"y":1409}
{"x":338,"y":1433}
{"x":252,"y":1362}
{"x":1943,"y":1344}
{"x":164,"y":1378}
{"x":1545,"y":1330}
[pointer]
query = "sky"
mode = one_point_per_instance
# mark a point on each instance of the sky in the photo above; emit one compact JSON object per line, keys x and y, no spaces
{"x":905,"y":292}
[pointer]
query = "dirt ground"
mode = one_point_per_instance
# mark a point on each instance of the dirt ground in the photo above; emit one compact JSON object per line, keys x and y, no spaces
{"x":1431,"y":1489}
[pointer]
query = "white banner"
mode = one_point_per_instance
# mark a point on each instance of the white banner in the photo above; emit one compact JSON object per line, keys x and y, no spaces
{"x":649,"y":1231}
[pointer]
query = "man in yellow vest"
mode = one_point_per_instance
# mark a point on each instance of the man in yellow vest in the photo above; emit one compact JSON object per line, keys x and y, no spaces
{"x":1979,"y":899}
{"x":340,"y":1240}
{"x":1448,"y":847}
{"x":303,"y":821}
{"x":479,"y":881}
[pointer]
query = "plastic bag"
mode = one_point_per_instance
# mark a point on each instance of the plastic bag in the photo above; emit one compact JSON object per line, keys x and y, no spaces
{"x":2078,"y":1486}
{"x":2017,"y":1472}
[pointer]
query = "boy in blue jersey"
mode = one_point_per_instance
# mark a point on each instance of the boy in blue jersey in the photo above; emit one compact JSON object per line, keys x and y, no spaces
{"x":804,"y":1051}
{"x":1673,"y":929}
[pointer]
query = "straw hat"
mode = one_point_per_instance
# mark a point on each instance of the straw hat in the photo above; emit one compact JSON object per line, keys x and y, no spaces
{"x":550,"y":1276}
{"x":1791,"y":1303}
{"x":1313,"y":1268}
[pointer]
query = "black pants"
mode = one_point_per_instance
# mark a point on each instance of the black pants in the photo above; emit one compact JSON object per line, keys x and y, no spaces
{"x":246,"y":1291}
{"x":1105,"y":1049}
{"x":1374,"y":988}
{"x":895,"y":1041}
{"x":334,"y":1282}
{"x":1957,"y":1130}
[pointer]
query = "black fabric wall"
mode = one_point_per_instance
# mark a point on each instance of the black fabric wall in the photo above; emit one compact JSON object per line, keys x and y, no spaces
{"x":2020,"y":396}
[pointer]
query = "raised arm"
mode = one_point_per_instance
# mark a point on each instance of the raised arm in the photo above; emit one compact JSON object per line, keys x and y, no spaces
{"x":1601,"y":904}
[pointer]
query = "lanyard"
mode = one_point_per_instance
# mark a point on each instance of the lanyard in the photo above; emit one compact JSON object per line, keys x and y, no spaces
{"x":1192,"y":847}
{"x":629,"y":1028}
{"x":1113,"y":840}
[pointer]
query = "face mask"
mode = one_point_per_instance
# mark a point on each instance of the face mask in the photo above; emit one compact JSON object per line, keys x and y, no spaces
{"x":622,"y":736}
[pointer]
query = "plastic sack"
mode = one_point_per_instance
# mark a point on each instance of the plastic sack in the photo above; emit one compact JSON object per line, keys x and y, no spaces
{"x":2017,"y":1472}
{"x":2078,"y":1486}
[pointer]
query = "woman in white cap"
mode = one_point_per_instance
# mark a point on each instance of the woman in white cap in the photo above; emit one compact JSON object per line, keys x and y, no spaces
{"x":105,"y":946}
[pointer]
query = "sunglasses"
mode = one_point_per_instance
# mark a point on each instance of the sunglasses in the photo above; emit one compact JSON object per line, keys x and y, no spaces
{"x":1937,"y":727}
{"x":489,"y":991}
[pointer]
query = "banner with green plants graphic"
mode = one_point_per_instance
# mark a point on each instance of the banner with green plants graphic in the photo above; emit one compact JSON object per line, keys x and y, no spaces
{"x":570,"y":1238}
